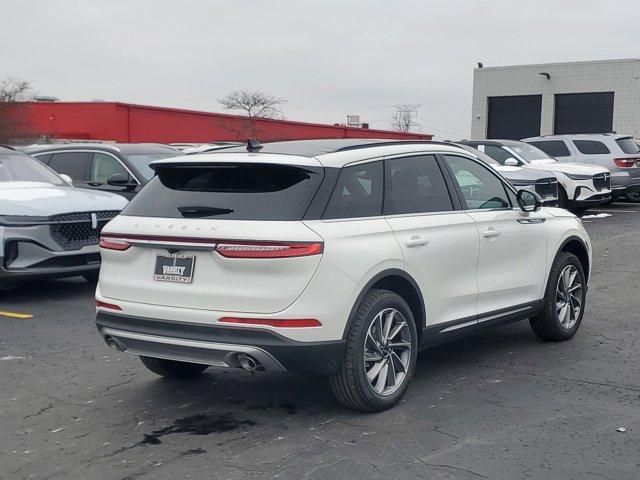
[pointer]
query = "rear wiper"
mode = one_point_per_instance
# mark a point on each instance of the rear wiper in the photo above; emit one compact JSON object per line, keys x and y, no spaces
{"x":196,"y":212}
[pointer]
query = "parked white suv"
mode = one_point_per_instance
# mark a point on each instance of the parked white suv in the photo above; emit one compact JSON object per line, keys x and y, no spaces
{"x":618,"y":153}
{"x":581,"y":185}
{"x":337,"y":256}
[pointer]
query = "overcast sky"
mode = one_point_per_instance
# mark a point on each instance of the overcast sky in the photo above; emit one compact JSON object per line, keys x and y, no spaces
{"x":326,"y":58}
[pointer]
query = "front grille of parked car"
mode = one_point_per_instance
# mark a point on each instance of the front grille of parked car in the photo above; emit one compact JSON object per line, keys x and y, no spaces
{"x":72,"y":231}
{"x":547,"y":187}
{"x":602,"y":181}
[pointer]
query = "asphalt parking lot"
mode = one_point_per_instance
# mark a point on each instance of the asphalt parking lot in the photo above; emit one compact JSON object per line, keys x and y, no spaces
{"x":500,"y":405}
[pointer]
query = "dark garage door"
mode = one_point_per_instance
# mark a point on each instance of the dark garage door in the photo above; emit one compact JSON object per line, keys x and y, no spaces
{"x":514,"y":117}
{"x":584,"y":113}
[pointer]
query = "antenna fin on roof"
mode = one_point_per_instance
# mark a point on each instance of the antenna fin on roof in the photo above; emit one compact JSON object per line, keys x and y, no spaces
{"x":253,"y":145}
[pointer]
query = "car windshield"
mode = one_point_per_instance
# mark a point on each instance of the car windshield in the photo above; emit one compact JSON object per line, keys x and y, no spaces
{"x":481,"y":155}
{"x":15,"y":167}
{"x":529,"y":153}
{"x":141,"y":161}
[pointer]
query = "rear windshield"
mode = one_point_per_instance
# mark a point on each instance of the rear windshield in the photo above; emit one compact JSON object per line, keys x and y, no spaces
{"x":628,"y":145}
{"x":228,"y":191}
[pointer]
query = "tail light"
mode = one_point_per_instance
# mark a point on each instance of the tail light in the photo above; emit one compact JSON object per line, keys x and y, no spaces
{"x":626,"y":162}
{"x":272,"y":322}
{"x":109,"y":306}
{"x":114,"y":243}
{"x":268,"y":249}
{"x":226,"y":248}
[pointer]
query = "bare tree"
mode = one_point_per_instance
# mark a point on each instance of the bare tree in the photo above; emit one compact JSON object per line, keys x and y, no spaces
{"x":13,"y":121}
{"x":254,"y":105}
{"x":403,"y":119}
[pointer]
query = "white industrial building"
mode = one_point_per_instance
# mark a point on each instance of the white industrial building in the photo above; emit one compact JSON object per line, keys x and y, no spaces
{"x":577,"y":97}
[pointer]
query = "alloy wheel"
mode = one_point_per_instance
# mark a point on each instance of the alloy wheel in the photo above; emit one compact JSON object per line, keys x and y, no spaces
{"x":387,"y":351}
{"x":569,"y":297}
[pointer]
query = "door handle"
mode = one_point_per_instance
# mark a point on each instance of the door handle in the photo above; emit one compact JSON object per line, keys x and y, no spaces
{"x":416,"y":241}
{"x":491,"y":233}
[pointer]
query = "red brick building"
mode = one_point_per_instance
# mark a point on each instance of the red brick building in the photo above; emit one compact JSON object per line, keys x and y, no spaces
{"x":123,"y":122}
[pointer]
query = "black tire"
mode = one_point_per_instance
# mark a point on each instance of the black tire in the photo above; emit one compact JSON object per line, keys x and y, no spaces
{"x":547,"y":324}
{"x":349,"y":383}
{"x":172,"y":368}
{"x":632,"y":197}
{"x":91,"y":277}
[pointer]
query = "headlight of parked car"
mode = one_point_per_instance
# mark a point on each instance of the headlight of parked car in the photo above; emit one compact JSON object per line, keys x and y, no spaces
{"x":21,"y":220}
{"x":578,"y":177}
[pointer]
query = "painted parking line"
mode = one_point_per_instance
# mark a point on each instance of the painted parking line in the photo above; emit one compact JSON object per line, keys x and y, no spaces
{"x":15,"y":315}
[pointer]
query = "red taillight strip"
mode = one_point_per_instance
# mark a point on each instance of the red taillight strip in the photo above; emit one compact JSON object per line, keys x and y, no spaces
{"x":272,"y":322}
{"x":110,"y":306}
{"x":226,"y":248}
{"x":268,"y":249}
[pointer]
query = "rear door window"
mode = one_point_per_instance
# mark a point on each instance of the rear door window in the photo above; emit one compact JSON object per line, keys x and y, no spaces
{"x":237,"y":191}
{"x":358,"y":192}
{"x":74,"y":164}
{"x":553,"y":148}
{"x":591,"y":147}
{"x":415,"y":185}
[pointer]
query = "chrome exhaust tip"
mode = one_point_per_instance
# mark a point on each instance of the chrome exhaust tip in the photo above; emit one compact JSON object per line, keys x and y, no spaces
{"x":112,"y":343}
{"x":249,"y":363}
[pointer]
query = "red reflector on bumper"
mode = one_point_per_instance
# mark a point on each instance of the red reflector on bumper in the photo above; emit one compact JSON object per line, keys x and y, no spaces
{"x":110,"y":306}
{"x":272,"y":322}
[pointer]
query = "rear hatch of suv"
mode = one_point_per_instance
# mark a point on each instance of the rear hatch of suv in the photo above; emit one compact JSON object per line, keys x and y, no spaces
{"x":223,"y":233}
{"x":630,"y":160}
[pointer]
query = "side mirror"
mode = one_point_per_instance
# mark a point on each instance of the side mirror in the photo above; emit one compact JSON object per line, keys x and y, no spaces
{"x":528,"y":201}
{"x":120,"y":180}
{"x":66,"y":178}
{"x":511,"y":162}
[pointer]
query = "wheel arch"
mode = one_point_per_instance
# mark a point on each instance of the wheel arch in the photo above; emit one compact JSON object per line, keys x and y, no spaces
{"x":578,"y":247}
{"x":401,"y":283}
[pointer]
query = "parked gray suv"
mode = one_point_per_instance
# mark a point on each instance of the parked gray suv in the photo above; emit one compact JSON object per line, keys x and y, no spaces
{"x":619,"y":153}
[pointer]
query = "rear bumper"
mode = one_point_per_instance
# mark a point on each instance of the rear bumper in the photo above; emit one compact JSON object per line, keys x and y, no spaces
{"x":619,"y":192}
{"x":216,"y":345}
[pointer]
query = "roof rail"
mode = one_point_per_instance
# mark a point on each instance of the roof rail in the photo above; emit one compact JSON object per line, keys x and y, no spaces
{"x":7,"y":146}
{"x":390,"y":143}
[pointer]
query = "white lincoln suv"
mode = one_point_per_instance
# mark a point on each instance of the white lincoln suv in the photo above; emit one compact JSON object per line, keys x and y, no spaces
{"x":344,"y":257}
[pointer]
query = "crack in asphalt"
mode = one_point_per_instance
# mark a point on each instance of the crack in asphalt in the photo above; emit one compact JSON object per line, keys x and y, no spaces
{"x":451,"y":467}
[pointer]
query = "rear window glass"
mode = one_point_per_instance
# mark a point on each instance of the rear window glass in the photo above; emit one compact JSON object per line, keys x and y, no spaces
{"x":627,"y":145}
{"x":553,"y":148}
{"x":591,"y":147}
{"x":228,"y":191}
{"x":358,"y":192}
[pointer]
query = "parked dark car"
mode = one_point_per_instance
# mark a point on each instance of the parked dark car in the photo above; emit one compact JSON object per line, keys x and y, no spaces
{"x":121,"y":168}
